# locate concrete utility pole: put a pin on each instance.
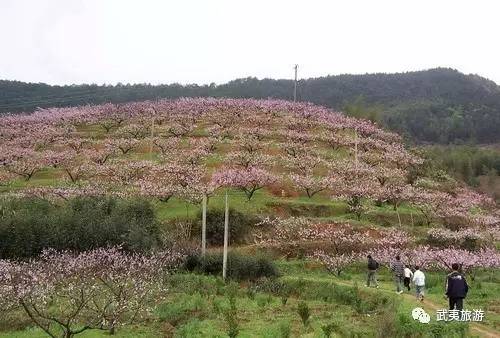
(356, 151)
(204, 226)
(295, 84)
(226, 240)
(152, 137)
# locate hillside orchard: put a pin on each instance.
(178, 151)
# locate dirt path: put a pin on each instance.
(428, 305)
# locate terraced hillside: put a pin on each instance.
(305, 184)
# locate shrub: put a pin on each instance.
(405, 326)
(261, 301)
(328, 329)
(386, 323)
(231, 314)
(284, 292)
(451, 329)
(29, 225)
(217, 305)
(239, 226)
(275, 287)
(239, 267)
(345, 294)
(304, 312)
(181, 310)
(190, 329)
(284, 329)
(251, 293)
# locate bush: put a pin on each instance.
(276, 287)
(404, 326)
(28, 225)
(239, 267)
(239, 226)
(262, 301)
(182, 309)
(190, 329)
(304, 312)
(284, 329)
(328, 329)
(231, 314)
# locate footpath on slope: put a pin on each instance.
(476, 328)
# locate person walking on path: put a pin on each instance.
(408, 276)
(456, 288)
(419, 281)
(372, 272)
(398, 270)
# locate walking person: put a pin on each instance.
(456, 288)
(419, 281)
(372, 272)
(398, 270)
(408, 277)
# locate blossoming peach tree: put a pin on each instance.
(65, 294)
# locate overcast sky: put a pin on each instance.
(189, 41)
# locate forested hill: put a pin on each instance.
(438, 105)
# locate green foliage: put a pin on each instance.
(406, 326)
(27, 226)
(346, 295)
(194, 283)
(239, 267)
(465, 162)
(231, 314)
(284, 329)
(251, 293)
(181, 310)
(190, 329)
(304, 312)
(239, 226)
(329, 328)
(276, 287)
(262, 301)
(217, 306)
(359, 109)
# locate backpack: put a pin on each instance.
(373, 264)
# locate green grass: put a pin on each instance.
(179, 209)
(196, 305)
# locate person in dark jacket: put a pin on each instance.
(398, 269)
(456, 288)
(408, 276)
(372, 271)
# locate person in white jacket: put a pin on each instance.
(419, 281)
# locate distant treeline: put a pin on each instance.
(438, 106)
(466, 162)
